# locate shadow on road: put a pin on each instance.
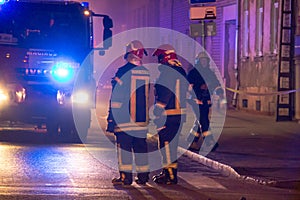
(32, 136)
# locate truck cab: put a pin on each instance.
(42, 47)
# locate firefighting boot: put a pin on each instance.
(194, 133)
(142, 178)
(161, 178)
(210, 143)
(124, 179)
(193, 137)
(172, 176)
(195, 146)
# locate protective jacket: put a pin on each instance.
(170, 96)
(170, 91)
(204, 82)
(129, 100)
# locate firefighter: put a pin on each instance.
(169, 110)
(128, 115)
(202, 81)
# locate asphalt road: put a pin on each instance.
(39, 169)
(32, 167)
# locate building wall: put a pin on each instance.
(297, 62)
(258, 72)
(174, 14)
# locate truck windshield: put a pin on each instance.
(38, 25)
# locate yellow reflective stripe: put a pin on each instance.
(171, 173)
(168, 153)
(169, 51)
(160, 104)
(144, 168)
(172, 165)
(145, 72)
(136, 128)
(121, 166)
(177, 97)
(119, 154)
(161, 128)
(116, 104)
(196, 134)
(206, 133)
(175, 111)
(133, 96)
(119, 80)
(130, 124)
(125, 167)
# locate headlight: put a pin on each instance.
(63, 72)
(80, 98)
(3, 96)
(60, 97)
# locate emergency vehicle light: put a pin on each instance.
(85, 4)
(2, 1)
(3, 96)
(87, 13)
(63, 72)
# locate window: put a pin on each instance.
(274, 27)
(259, 28)
(245, 38)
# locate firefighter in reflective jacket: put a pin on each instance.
(169, 110)
(128, 115)
(203, 82)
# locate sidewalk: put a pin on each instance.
(257, 147)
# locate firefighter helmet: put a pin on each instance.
(135, 48)
(201, 55)
(166, 53)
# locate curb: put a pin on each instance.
(222, 168)
(219, 167)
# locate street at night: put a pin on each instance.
(150, 99)
(38, 169)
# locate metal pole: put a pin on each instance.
(236, 56)
(297, 86)
(203, 34)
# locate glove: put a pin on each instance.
(160, 121)
(158, 110)
(110, 126)
(110, 123)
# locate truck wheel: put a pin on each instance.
(69, 133)
(83, 121)
(82, 134)
(52, 128)
(66, 132)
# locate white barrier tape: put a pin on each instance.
(262, 94)
(222, 168)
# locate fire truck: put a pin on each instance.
(45, 77)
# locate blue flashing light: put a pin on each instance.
(2, 2)
(85, 4)
(63, 72)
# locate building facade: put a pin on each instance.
(245, 45)
(246, 49)
(262, 69)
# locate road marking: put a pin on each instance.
(199, 181)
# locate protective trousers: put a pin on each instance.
(168, 144)
(202, 122)
(127, 144)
